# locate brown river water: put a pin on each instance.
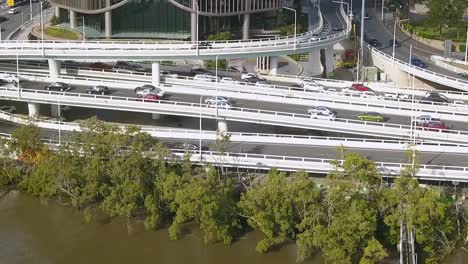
(44, 232)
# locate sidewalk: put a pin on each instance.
(23, 32)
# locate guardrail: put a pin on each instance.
(311, 165)
(420, 72)
(231, 114)
(260, 138)
(282, 95)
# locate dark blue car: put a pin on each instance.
(418, 63)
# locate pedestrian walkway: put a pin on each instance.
(22, 33)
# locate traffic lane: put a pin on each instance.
(254, 104)
(14, 20)
(319, 152)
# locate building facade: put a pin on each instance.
(166, 19)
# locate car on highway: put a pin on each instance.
(100, 66)
(262, 84)
(58, 86)
(337, 28)
(374, 43)
(331, 91)
(418, 63)
(320, 109)
(13, 11)
(434, 126)
(434, 97)
(202, 45)
(350, 91)
(9, 78)
(221, 104)
(187, 146)
(70, 64)
(372, 116)
(424, 119)
(323, 116)
(215, 99)
(397, 96)
(151, 97)
(248, 75)
(371, 94)
(360, 87)
(397, 43)
(205, 77)
(169, 74)
(366, 16)
(463, 75)
(229, 80)
(98, 89)
(458, 103)
(8, 108)
(150, 89)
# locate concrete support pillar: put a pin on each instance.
(72, 19)
(156, 75)
(54, 69)
(108, 21)
(315, 66)
(57, 12)
(274, 65)
(155, 116)
(33, 109)
(222, 127)
(194, 22)
(246, 27)
(55, 110)
(329, 61)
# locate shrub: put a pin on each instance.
(462, 47)
(54, 21)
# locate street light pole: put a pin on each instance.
(410, 54)
(383, 3)
(363, 7)
(30, 10)
(84, 29)
(42, 24)
(394, 35)
(466, 47)
(295, 23)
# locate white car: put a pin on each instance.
(350, 91)
(262, 84)
(458, 102)
(13, 10)
(329, 117)
(10, 78)
(169, 74)
(250, 75)
(205, 77)
(396, 96)
(221, 104)
(215, 99)
(303, 82)
(229, 80)
(8, 108)
(313, 86)
(142, 93)
(425, 119)
(320, 110)
(331, 91)
(370, 94)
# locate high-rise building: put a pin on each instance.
(169, 19)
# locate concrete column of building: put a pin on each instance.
(329, 60)
(108, 21)
(246, 27)
(315, 65)
(274, 65)
(222, 127)
(156, 74)
(33, 109)
(57, 11)
(193, 22)
(72, 19)
(54, 69)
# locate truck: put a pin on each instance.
(15, 3)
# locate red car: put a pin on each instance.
(360, 87)
(434, 126)
(100, 66)
(149, 98)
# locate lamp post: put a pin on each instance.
(295, 23)
(383, 4)
(394, 34)
(466, 47)
(42, 25)
(361, 52)
(0, 32)
(84, 29)
(200, 134)
(30, 10)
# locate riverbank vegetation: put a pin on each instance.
(354, 218)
